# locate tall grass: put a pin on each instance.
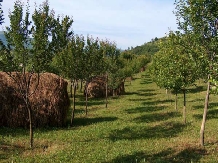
(140, 126)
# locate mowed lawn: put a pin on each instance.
(140, 126)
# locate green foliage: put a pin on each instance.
(17, 36)
(70, 61)
(172, 67)
(44, 24)
(198, 19)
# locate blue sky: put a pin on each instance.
(127, 22)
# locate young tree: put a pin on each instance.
(69, 63)
(198, 19)
(17, 36)
(25, 56)
(93, 62)
(180, 71)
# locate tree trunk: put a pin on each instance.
(74, 104)
(204, 115)
(114, 94)
(81, 85)
(184, 105)
(106, 93)
(176, 102)
(30, 123)
(86, 90)
(71, 88)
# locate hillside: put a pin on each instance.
(2, 37)
(149, 48)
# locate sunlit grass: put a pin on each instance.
(140, 126)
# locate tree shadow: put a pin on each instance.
(169, 155)
(211, 105)
(140, 99)
(142, 92)
(211, 114)
(7, 149)
(196, 89)
(147, 94)
(89, 121)
(146, 90)
(144, 109)
(13, 132)
(169, 129)
(90, 103)
(146, 81)
(155, 117)
(130, 93)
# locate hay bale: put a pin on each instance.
(142, 69)
(96, 87)
(49, 103)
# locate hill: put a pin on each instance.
(149, 48)
(2, 37)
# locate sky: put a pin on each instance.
(129, 23)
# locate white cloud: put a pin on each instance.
(128, 23)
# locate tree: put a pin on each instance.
(198, 19)
(93, 62)
(173, 68)
(18, 59)
(24, 55)
(69, 63)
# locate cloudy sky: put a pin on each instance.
(129, 23)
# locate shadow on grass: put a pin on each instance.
(147, 94)
(146, 80)
(169, 155)
(13, 132)
(90, 121)
(196, 89)
(169, 129)
(211, 114)
(142, 92)
(155, 117)
(141, 99)
(144, 109)
(6, 150)
(149, 106)
(91, 102)
(130, 93)
(211, 105)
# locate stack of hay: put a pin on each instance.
(49, 103)
(97, 87)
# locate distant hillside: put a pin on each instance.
(149, 48)
(2, 37)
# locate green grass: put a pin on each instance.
(141, 126)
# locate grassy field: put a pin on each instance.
(141, 126)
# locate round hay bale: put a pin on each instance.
(96, 87)
(49, 101)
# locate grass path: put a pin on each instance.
(141, 126)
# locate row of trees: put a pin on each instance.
(191, 52)
(47, 44)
